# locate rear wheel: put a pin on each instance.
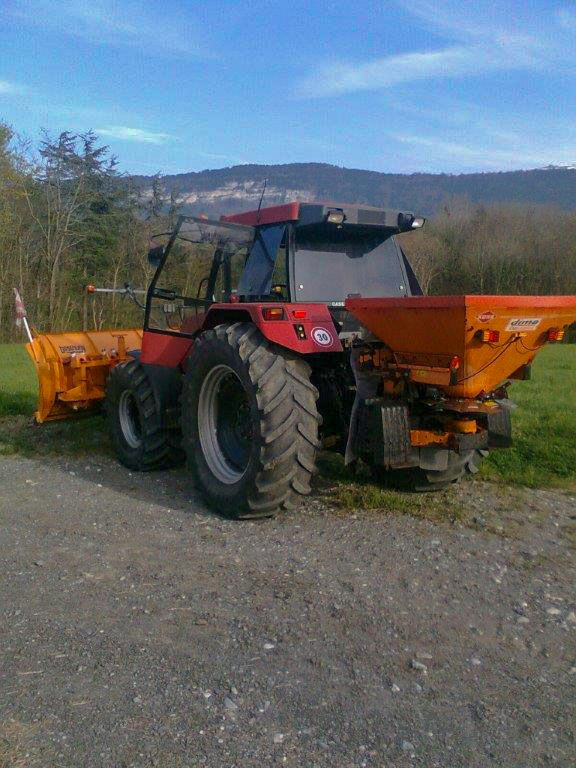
(249, 422)
(136, 426)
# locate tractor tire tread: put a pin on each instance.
(160, 447)
(288, 420)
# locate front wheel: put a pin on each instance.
(249, 422)
(138, 432)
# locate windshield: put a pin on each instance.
(200, 264)
(329, 267)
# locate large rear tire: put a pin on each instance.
(249, 422)
(137, 428)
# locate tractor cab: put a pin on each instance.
(308, 253)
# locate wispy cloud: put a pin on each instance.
(125, 133)
(567, 18)
(11, 89)
(456, 61)
(487, 150)
(146, 24)
(478, 45)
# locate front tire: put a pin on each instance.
(136, 426)
(249, 422)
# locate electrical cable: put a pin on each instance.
(489, 363)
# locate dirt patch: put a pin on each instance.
(140, 629)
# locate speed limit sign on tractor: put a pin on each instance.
(322, 336)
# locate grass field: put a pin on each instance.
(19, 433)
(544, 452)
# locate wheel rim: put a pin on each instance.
(130, 423)
(224, 424)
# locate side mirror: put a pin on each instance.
(155, 255)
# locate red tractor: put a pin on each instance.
(266, 336)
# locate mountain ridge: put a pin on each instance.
(233, 188)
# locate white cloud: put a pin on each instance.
(567, 18)
(456, 61)
(11, 89)
(125, 133)
(146, 24)
(484, 38)
(495, 150)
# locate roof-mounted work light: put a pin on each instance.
(336, 216)
(407, 221)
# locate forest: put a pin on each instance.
(69, 218)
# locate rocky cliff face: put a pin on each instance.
(240, 196)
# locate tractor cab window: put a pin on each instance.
(197, 269)
(331, 264)
(263, 268)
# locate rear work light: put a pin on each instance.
(336, 216)
(491, 337)
(555, 334)
(407, 221)
(273, 313)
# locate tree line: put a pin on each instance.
(68, 218)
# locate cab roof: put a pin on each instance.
(316, 213)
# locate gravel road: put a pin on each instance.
(140, 629)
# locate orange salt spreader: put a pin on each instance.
(441, 365)
(466, 345)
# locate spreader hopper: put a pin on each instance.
(466, 345)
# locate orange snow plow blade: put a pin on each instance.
(72, 368)
(465, 345)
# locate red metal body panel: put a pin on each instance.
(321, 336)
(282, 332)
(164, 349)
(273, 215)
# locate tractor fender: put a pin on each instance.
(166, 384)
(303, 328)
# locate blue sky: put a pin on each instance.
(395, 85)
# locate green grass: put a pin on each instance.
(543, 455)
(18, 387)
(19, 433)
(357, 491)
(543, 426)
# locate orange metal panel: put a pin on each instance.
(72, 368)
(430, 330)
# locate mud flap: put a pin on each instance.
(367, 382)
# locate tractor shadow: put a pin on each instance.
(167, 490)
